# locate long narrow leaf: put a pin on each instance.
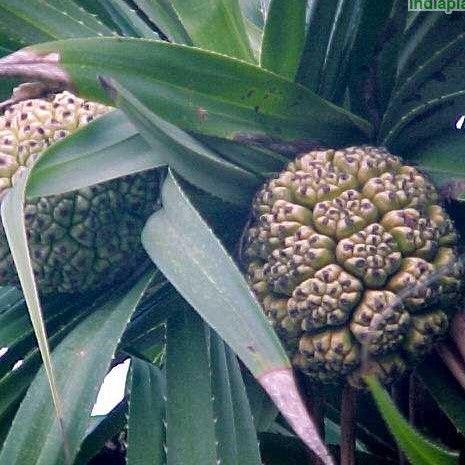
(320, 22)
(127, 19)
(429, 33)
(97, 11)
(107, 148)
(214, 281)
(25, 22)
(12, 215)
(445, 389)
(418, 449)
(333, 75)
(218, 291)
(185, 154)
(393, 39)
(146, 432)
(190, 420)
(284, 37)
(439, 76)
(246, 434)
(14, 383)
(237, 438)
(162, 14)
(215, 25)
(191, 88)
(363, 69)
(429, 108)
(82, 361)
(253, 10)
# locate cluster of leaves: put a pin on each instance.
(222, 92)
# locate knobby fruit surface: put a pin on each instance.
(354, 262)
(82, 240)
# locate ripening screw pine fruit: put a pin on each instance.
(354, 262)
(82, 240)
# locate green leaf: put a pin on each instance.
(13, 323)
(199, 90)
(97, 11)
(260, 161)
(12, 208)
(162, 14)
(159, 309)
(246, 435)
(237, 438)
(445, 390)
(146, 432)
(111, 146)
(440, 76)
(149, 346)
(344, 29)
(429, 33)
(418, 449)
(18, 334)
(215, 25)
(218, 291)
(14, 383)
(258, 101)
(320, 23)
(284, 37)
(9, 296)
(25, 22)
(127, 19)
(85, 354)
(190, 420)
(363, 63)
(185, 154)
(107, 148)
(429, 124)
(388, 58)
(214, 281)
(445, 108)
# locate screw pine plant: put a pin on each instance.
(244, 177)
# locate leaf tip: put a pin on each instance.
(281, 386)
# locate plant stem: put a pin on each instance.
(348, 413)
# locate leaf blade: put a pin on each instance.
(190, 430)
(215, 25)
(164, 16)
(215, 283)
(107, 148)
(223, 97)
(185, 154)
(284, 37)
(146, 433)
(29, 22)
(127, 19)
(419, 450)
(85, 353)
